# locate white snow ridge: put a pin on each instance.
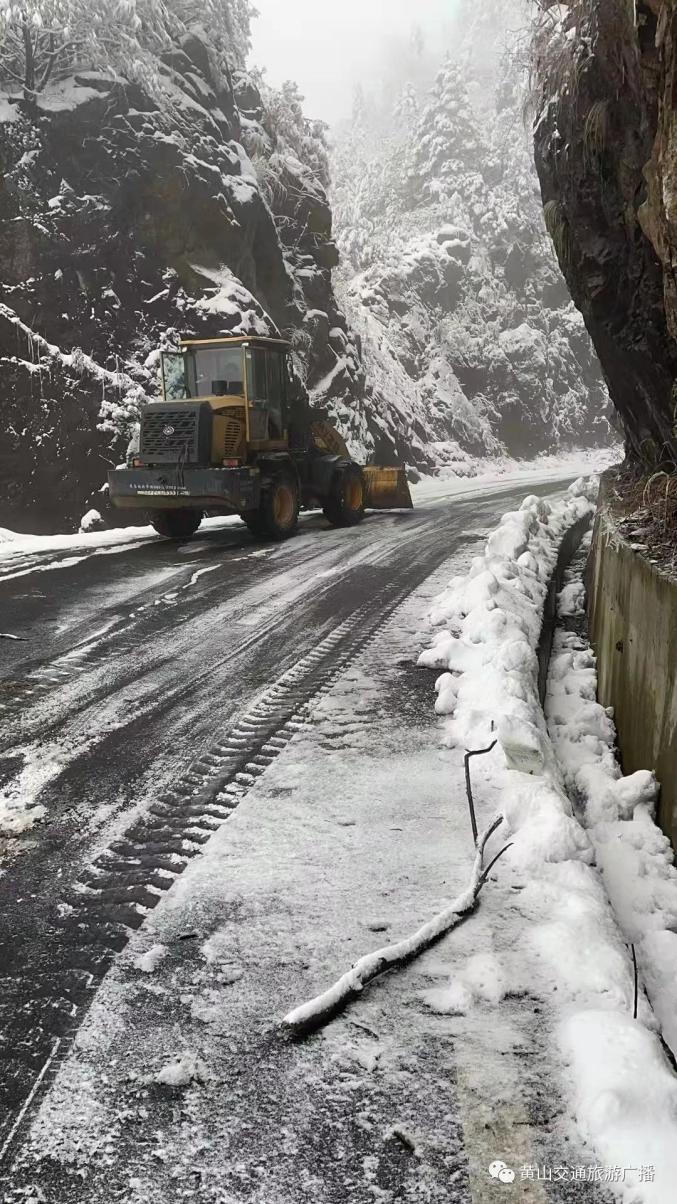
(585, 891)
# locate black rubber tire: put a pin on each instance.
(345, 505)
(277, 517)
(175, 524)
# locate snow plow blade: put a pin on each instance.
(387, 489)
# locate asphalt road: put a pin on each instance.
(155, 684)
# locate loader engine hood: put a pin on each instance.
(176, 433)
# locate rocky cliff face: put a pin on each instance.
(606, 152)
(471, 343)
(129, 216)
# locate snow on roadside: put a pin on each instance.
(626, 1100)
(14, 545)
(623, 1095)
(503, 470)
(632, 853)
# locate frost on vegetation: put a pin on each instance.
(45, 41)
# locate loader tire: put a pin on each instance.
(175, 524)
(278, 514)
(345, 505)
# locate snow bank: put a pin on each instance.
(15, 545)
(626, 1101)
(623, 1095)
(633, 854)
(489, 628)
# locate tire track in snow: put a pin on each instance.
(147, 686)
(47, 998)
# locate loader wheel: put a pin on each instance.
(278, 514)
(175, 524)
(346, 502)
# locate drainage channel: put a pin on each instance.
(49, 991)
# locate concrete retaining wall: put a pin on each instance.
(633, 625)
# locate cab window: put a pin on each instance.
(215, 372)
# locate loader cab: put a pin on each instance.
(244, 381)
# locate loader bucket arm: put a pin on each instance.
(387, 489)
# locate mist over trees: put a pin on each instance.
(447, 272)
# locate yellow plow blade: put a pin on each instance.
(387, 489)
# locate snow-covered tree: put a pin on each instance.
(292, 132)
(42, 41)
(447, 145)
(46, 40)
(224, 25)
(446, 273)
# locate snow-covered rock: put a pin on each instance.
(471, 343)
(91, 521)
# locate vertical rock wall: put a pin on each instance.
(606, 154)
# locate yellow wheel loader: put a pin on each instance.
(230, 437)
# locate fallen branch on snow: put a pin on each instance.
(318, 1011)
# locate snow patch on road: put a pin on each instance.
(17, 818)
(483, 978)
(15, 546)
(149, 961)
(19, 810)
(182, 1071)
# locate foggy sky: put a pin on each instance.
(328, 46)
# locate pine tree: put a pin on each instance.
(447, 145)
